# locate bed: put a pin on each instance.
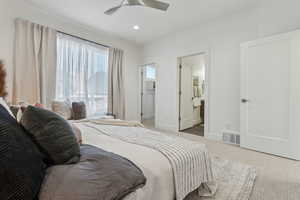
(155, 164)
(172, 166)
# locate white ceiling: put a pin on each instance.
(153, 23)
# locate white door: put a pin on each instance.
(269, 90)
(186, 107)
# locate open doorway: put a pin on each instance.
(192, 94)
(148, 95)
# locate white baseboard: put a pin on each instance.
(167, 127)
(231, 132)
(210, 136)
(214, 136)
(219, 136)
(148, 117)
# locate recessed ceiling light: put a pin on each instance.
(136, 27)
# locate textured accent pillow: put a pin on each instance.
(79, 110)
(53, 134)
(22, 169)
(63, 108)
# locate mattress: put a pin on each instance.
(155, 166)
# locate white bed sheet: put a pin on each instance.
(155, 166)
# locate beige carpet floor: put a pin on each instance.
(277, 178)
(234, 181)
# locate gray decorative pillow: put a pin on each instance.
(53, 134)
(79, 110)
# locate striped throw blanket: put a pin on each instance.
(190, 161)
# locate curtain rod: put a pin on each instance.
(83, 39)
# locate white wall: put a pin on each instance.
(11, 9)
(221, 38)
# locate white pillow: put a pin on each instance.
(4, 104)
(63, 108)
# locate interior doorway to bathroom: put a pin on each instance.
(192, 94)
(148, 95)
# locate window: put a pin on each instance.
(82, 73)
(150, 72)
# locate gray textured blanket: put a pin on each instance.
(99, 175)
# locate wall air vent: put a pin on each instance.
(231, 138)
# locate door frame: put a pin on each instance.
(141, 84)
(207, 84)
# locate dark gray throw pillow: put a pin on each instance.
(53, 134)
(22, 169)
(79, 110)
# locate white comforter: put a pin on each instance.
(156, 167)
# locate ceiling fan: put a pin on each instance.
(145, 3)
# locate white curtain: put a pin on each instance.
(116, 90)
(34, 63)
(82, 73)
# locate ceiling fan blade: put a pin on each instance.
(156, 4)
(134, 3)
(112, 10)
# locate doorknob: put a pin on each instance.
(244, 100)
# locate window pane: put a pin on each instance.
(150, 72)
